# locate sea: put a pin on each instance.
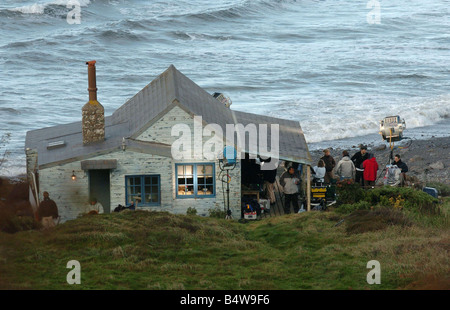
(336, 66)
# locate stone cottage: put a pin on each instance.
(129, 156)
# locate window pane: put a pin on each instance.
(209, 180)
(189, 169)
(186, 190)
(147, 198)
(180, 170)
(205, 190)
(155, 197)
(204, 170)
(201, 170)
(209, 169)
(210, 189)
(154, 189)
(154, 180)
(190, 180)
(201, 181)
(148, 180)
(181, 189)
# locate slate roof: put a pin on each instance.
(169, 89)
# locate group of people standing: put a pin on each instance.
(362, 167)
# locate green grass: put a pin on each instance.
(158, 250)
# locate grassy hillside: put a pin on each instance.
(156, 250)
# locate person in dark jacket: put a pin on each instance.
(48, 211)
(47, 208)
(329, 165)
(358, 160)
(401, 165)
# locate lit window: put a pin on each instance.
(195, 180)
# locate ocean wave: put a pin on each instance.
(199, 36)
(119, 34)
(404, 76)
(28, 43)
(9, 110)
(236, 10)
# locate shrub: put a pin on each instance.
(217, 213)
(20, 223)
(349, 192)
(191, 211)
(403, 197)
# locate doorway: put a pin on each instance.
(99, 187)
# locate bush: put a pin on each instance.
(17, 218)
(349, 192)
(217, 213)
(20, 223)
(191, 211)
(403, 197)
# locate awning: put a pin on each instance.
(99, 164)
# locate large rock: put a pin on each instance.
(437, 165)
(416, 158)
(381, 147)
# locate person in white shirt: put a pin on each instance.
(290, 180)
(319, 171)
(94, 207)
(345, 168)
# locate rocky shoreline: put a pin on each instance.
(427, 160)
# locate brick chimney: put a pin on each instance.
(93, 113)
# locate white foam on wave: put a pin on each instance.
(343, 125)
(39, 8)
